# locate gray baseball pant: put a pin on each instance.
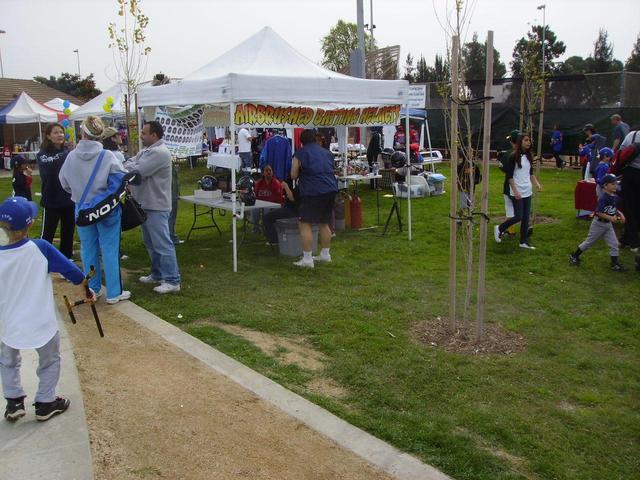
(48, 370)
(601, 229)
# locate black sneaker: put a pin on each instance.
(573, 260)
(46, 410)
(15, 409)
(616, 267)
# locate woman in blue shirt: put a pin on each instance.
(313, 167)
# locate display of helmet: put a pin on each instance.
(398, 159)
(387, 152)
(208, 183)
(248, 197)
(245, 183)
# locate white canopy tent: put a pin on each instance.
(58, 104)
(96, 104)
(25, 109)
(265, 68)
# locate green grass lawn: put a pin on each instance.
(567, 407)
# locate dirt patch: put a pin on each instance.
(326, 387)
(155, 412)
(496, 339)
(289, 350)
(516, 463)
(567, 407)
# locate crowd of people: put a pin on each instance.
(617, 187)
(96, 170)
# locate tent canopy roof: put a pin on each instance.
(58, 104)
(94, 106)
(25, 109)
(266, 68)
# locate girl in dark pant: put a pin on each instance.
(520, 177)
(58, 207)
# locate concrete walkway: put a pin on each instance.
(59, 448)
(54, 450)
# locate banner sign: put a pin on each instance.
(261, 115)
(417, 96)
(183, 129)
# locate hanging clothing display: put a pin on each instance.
(277, 153)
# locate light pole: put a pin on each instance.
(543, 7)
(1, 66)
(77, 52)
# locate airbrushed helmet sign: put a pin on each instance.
(183, 129)
(262, 115)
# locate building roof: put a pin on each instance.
(12, 87)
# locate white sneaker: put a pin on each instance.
(322, 258)
(304, 263)
(102, 292)
(527, 246)
(165, 287)
(125, 295)
(496, 233)
(148, 279)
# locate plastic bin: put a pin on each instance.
(289, 241)
(436, 183)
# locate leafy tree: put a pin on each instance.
(409, 69)
(83, 88)
(602, 60)
(575, 65)
(474, 56)
(530, 49)
(633, 62)
(441, 71)
(338, 44)
(423, 72)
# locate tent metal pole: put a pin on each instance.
(40, 131)
(426, 123)
(232, 140)
(408, 163)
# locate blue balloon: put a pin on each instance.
(65, 123)
(66, 104)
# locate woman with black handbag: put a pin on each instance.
(92, 174)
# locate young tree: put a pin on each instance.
(474, 56)
(530, 49)
(409, 69)
(338, 44)
(83, 88)
(602, 60)
(633, 62)
(130, 54)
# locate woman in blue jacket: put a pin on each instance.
(57, 204)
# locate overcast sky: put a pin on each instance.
(186, 34)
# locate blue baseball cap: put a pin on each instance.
(606, 152)
(18, 212)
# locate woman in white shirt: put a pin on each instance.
(519, 174)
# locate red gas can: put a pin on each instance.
(356, 212)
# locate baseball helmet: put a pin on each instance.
(398, 159)
(248, 197)
(208, 183)
(245, 183)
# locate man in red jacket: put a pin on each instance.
(269, 189)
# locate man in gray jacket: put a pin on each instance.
(154, 194)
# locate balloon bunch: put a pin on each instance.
(69, 133)
(108, 104)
